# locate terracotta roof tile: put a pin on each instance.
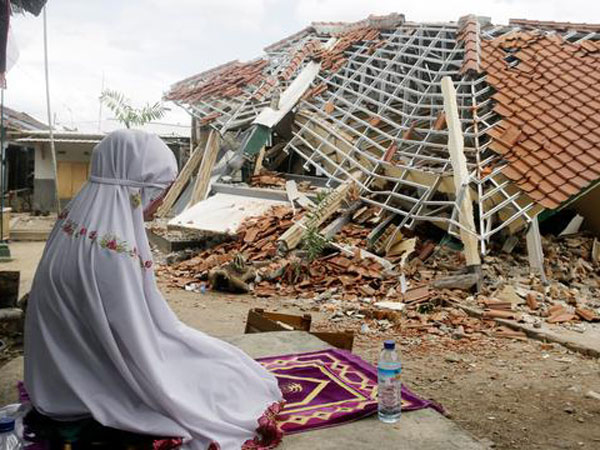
(543, 169)
(511, 173)
(564, 173)
(573, 150)
(543, 154)
(531, 160)
(469, 36)
(539, 138)
(546, 187)
(527, 186)
(589, 112)
(555, 179)
(548, 132)
(564, 157)
(589, 175)
(226, 81)
(576, 166)
(580, 182)
(568, 189)
(558, 126)
(557, 197)
(537, 196)
(585, 159)
(558, 105)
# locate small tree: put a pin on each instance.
(127, 114)
(314, 243)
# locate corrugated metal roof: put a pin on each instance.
(14, 120)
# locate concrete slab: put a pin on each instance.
(31, 228)
(423, 430)
(260, 345)
(586, 343)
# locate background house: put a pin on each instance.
(20, 157)
(29, 159)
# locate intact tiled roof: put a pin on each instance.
(548, 95)
(554, 26)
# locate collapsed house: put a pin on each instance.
(361, 106)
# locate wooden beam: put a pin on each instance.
(335, 226)
(328, 206)
(535, 250)
(209, 158)
(184, 176)
(461, 173)
(258, 165)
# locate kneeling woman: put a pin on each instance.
(101, 341)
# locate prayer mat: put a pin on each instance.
(328, 388)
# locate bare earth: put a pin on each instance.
(516, 394)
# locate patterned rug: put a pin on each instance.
(328, 388)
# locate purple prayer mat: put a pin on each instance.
(329, 388)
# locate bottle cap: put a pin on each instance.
(389, 345)
(6, 424)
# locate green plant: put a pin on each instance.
(322, 195)
(314, 243)
(127, 114)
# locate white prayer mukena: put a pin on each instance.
(101, 341)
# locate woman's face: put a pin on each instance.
(154, 204)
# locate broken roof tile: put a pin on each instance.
(469, 36)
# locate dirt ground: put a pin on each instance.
(516, 394)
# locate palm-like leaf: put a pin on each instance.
(127, 114)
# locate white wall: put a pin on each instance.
(72, 152)
(43, 163)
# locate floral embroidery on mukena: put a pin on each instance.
(108, 241)
(136, 199)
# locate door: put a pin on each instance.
(71, 177)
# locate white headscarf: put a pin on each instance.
(100, 339)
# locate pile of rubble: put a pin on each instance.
(572, 293)
(358, 292)
(288, 275)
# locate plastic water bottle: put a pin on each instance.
(389, 384)
(8, 437)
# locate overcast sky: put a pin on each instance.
(141, 47)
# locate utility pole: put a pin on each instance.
(49, 111)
